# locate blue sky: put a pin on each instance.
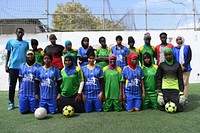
(22, 8)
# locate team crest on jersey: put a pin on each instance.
(46, 82)
(91, 81)
(134, 82)
(28, 77)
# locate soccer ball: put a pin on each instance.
(170, 107)
(68, 111)
(40, 113)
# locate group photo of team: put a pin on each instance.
(60, 77)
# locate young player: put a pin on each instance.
(72, 85)
(170, 80)
(113, 85)
(27, 74)
(131, 43)
(102, 53)
(147, 47)
(69, 50)
(38, 51)
(134, 83)
(121, 52)
(56, 51)
(94, 84)
(159, 50)
(82, 57)
(48, 85)
(183, 55)
(16, 54)
(149, 70)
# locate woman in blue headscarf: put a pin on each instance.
(72, 85)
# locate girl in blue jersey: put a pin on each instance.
(183, 55)
(48, 87)
(94, 84)
(28, 102)
(134, 83)
(82, 57)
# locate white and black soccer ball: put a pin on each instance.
(68, 111)
(170, 107)
(40, 113)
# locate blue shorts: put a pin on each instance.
(50, 105)
(132, 102)
(27, 104)
(91, 104)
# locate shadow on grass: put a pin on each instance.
(47, 117)
(193, 102)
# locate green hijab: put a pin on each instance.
(169, 62)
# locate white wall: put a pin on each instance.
(191, 37)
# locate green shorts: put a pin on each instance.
(112, 104)
(150, 101)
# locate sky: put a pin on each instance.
(36, 8)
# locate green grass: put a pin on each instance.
(146, 121)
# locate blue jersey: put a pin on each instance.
(133, 80)
(48, 79)
(92, 85)
(17, 52)
(28, 75)
(121, 55)
(82, 52)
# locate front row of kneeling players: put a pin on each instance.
(132, 87)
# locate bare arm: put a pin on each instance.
(7, 59)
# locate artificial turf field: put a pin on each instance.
(145, 121)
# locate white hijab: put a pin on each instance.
(181, 53)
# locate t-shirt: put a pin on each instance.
(150, 50)
(136, 51)
(39, 56)
(112, 82)
(82, 53)
(48, 79)
(28, 75)
(100, 52)
(92, 84)
(70, 84)
(56, 52)
(121, 54)
(17, 52)
(133, 81)
(150, 83)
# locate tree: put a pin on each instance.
(73, 16)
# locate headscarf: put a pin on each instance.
(30, 62)
(112, 66)
(68, 42)
(131, 40)
(169, 62)
(147, 36)
(182, 46)
(90, 52)
(130, 56)
(70, 69)
(147, 55)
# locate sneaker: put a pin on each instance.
(11, 106)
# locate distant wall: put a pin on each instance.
(191, 37)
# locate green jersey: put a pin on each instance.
(39, 56)
(150, 83)
(150, 50)
(136, 51)
(112, 82)
(70, 84)
(100, 52)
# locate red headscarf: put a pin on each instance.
(130, 56)
(111, 66)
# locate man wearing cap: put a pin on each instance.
(28, 100)
(16, 54)
(56, 51)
